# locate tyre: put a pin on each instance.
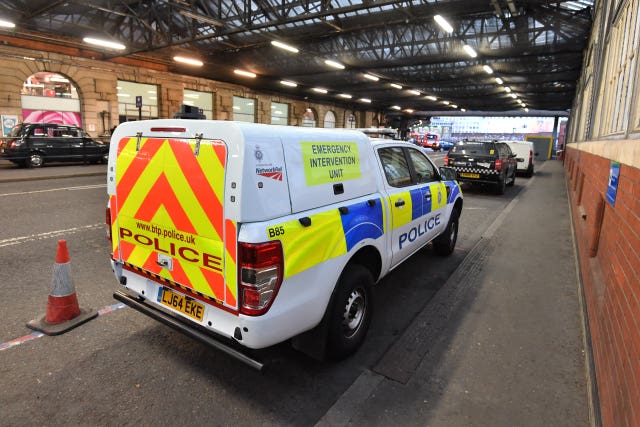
(35, 160)
(350, 312)
(445, 243)
(501, 185)
(530, 171)
(513, 179)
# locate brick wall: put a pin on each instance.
(608, 239)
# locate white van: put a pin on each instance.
(524, 156)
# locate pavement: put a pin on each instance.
(12, 173)
(502, 343)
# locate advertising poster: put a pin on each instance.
(8, 122)
(612, 187)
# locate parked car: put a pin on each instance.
(487, 162)
(524, 156)
(446, 144)
(33, 144)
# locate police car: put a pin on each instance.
(246, 235)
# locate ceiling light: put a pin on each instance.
(201, 18)
(414, 92)
(397, 86)
(396, 107)
(409, 110)
(244, 73)
(371, 77)
(104, 43)
(288, 83)
(189, 61)
(513, 95)
(345, 95)
(453, 106)
(433, 98)
(463, 109)
(319, 90)
(446, 102)
(523, 104)
(499, 80)
(443, 23)
(334, 64)
(526, 109)
(7, 24)
(472, 53)
(367, 100)
(507, 89)
(284, 46)
(487, 69)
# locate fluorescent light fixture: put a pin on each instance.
(463, 109)
(507, 89)
(285, 46)
(345, 96)
(472, 53)
(334, 64)
(414, 92)
(371, 77)
(446, 102)
(188, 61)
(6, 24)
(443, 23)
(513, 95)
(433, 98)
(244, 73)
(453, 106)
(397, 86)
(367, 100)
(395, 107)
(499, 81)
(523, 104)
(201, 18)
(487, 69)
(104, 43)
(288, 83)
(409, 110)
(320, 90)
(526, 109)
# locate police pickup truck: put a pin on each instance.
(245, 235)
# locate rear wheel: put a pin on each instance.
(350, 313)
(513, 179)
(35, 160)
(445, 243)
(501, 185)
(530, 170)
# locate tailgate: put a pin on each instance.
(168, 217)
(476, 162)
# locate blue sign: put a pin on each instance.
(138, 102)
(612, 188)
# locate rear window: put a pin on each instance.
(476, 148)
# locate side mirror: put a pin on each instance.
(448, 174)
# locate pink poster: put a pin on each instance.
(58, 117)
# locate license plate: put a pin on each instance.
(183, 304)
(469, 175)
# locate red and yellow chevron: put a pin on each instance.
(168, 205)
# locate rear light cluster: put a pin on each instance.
(498, 164)
(260, 270)
(446, 160)
(530, 156)
(108, 222)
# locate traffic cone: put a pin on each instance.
(63, 312)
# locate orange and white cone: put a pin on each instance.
(63, 312)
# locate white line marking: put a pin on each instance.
(82, 187)
(41, 236)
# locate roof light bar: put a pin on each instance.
(188, 61)
(443, 23)
(285, 46)
(245, 73)
(104, 43)
(334, 64)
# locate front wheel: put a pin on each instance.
(350, 313)
(445, 243)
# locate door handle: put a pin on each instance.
(427, 196)
(399, 203)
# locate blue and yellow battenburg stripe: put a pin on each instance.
(420, 203)
(332, 233)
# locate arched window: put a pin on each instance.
(309, 118)
(350, 120)
(329, 120)
(50, 98)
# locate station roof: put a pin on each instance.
(534, 47)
